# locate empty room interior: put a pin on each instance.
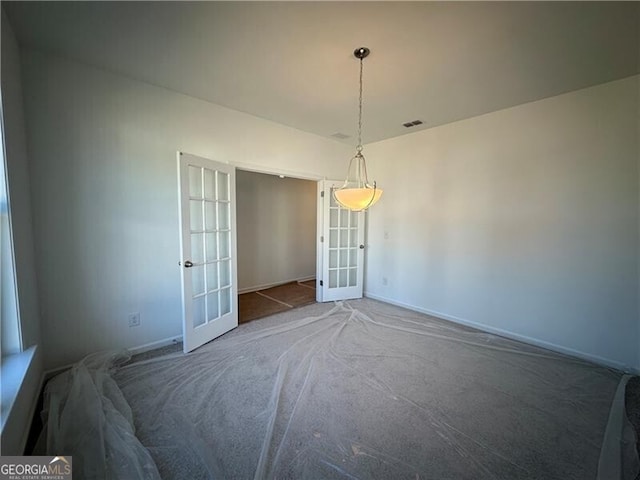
(372, 240)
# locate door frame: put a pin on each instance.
(319, 210)
(299, 176)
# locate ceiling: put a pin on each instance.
(292, 62)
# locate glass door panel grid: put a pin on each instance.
(343, 246)
(210, 212)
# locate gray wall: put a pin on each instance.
(276, 229)
(104, 177)
(523, 221)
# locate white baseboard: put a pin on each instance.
(306, 279)
(607, 362)
(153, 345)
(275, 284)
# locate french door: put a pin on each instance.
(342, 246)
(208, 249)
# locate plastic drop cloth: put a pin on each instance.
(361, 390)
(86, 416)
(368, 390)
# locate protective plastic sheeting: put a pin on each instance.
(373, 392)
(86, 416)
(619, 442)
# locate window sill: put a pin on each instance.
(12, 375)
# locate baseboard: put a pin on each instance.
(607, 362)
(153, 345)
(276, 284)
(306, 279)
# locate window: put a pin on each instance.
(10, 334)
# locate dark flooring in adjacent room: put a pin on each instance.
(254, 305)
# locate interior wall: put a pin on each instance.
(276, 229)
(17, 423)
(104, 177)
(523, 221)
(18, 172)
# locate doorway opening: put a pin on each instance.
(276, 243)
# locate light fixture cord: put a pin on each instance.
(359, 147)
(362, 179)
(361, 172)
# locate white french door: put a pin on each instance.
(208, 249)
(342, 247)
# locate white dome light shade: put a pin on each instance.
(357, 199)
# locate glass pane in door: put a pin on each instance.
(223, 186)
(209, 184)
(225, 301)
(195, 182)
(199, 315)
(197, 279)
(196, 215)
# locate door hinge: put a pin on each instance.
(322, 194)
(322, 239)
(321, 284)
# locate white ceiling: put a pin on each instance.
(292, 62)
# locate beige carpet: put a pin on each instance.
(369, 391)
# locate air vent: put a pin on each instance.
(340, 136)
(412, 124)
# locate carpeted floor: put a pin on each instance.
(278, 299)
(632, 393)
(380, 393)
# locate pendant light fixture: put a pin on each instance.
(358, 194)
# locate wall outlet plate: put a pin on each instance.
(134, 320)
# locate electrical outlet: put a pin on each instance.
(386, 235)
(134, 320)
(385, 282)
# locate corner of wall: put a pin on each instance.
(19, 189)
(26, 368)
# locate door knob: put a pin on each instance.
(188, 264)
(361, 247)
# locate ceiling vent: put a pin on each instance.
(412, 124)
(340, 136)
